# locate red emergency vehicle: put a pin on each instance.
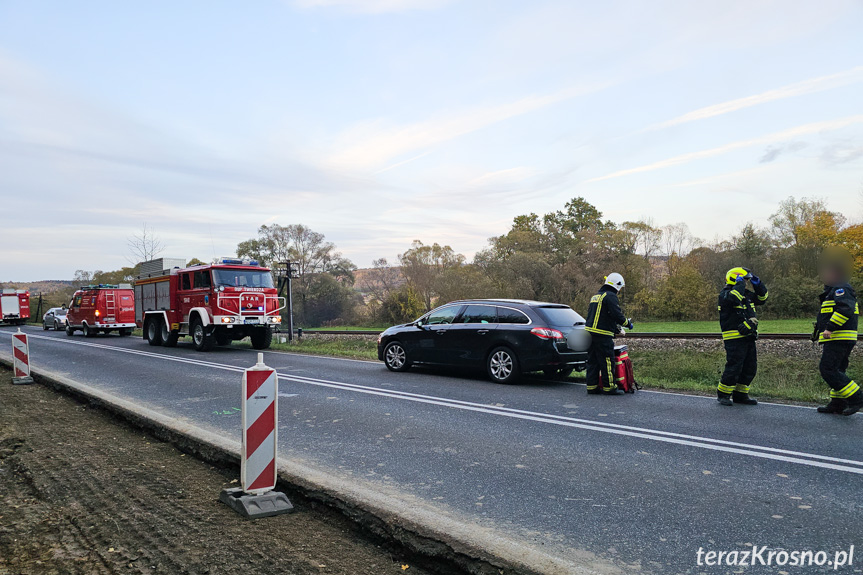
(214, 304)
(102, 309)
(14, 306)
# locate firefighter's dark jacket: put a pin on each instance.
(737, 309)
(604, 316)
(839, 311)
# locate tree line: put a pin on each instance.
(562, 257)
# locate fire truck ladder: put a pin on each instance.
(110, 304)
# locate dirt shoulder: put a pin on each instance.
(83, 494)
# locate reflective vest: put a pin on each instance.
(604, 316)
(737, 309)
(838, 314)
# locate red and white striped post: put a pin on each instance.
(258, 470)
(260, 431)
(21, 358)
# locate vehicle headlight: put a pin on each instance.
(227, 320)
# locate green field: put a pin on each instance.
(765, 326)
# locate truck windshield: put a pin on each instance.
(242, 278)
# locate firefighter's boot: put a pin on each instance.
(612, 391)
(855, 403)
(836, 406)
(723, 398)
(742, 398)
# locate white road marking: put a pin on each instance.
(797, 457)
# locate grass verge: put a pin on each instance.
(779, 377)
(351, 347)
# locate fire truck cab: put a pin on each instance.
(14, 306)
(214, 304)
(101, 309)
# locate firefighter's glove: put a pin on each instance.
(740, 279)
(629, 324)
(755, 280)
(815, 332)
(753, 321)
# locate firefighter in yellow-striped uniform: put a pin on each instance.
(604, 321)
(836, 331)
(739, 323)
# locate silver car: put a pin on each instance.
(54, 318)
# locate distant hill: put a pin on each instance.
(43, 287)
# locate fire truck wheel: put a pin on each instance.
(85, 329)
(203, 341)
(262, 338)
(169, 337)
(69, 330)
(151, 329)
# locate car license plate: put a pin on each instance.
(110, 320)
(252, 320)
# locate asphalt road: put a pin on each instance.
(640, 480)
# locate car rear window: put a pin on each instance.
(479, 314)
(564, 316)
(509, 315)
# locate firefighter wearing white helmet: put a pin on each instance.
(605, 320)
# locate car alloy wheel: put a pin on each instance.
(396, 357)
(501, 365)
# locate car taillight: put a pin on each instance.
(546, 333)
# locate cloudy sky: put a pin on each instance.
(377, 122)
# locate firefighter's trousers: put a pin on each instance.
(741, 365)
(834, 362)
(600, 363)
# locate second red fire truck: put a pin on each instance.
(214, 304)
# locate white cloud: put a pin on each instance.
(503, 177)
(373, 6)
(373, 145)
(810, 86)
(789, 134)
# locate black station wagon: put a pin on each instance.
(505, 337)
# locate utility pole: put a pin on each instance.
(288, 271)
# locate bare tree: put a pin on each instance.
(380, 280)
(144, 246)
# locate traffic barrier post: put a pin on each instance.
(21, 358)
(258, 469)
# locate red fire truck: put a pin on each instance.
(214, 304)
(101, 309)
(14, 306)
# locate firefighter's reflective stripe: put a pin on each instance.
(732, 334)
(839, 335)
(740, 388)
(846, 391)
(763, 297)
(838, 318)
(725, 388)
(737, 294)
(599, 331)
(598, 299)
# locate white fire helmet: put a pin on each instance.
(615, 280)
